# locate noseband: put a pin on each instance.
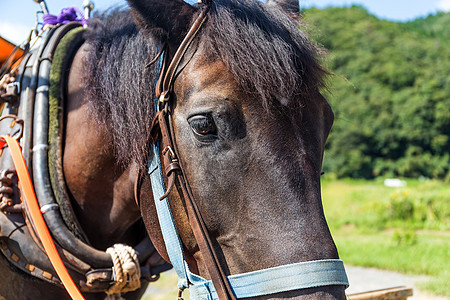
(263, 282)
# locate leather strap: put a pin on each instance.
(165, 81)
(32, 205)
(163, 129)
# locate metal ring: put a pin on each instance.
(40, 147)
(17, 121)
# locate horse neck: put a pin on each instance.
(102, 189)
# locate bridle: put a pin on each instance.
(222, 286)
(163, 121)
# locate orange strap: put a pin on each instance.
(37, 218)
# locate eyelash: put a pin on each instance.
(203, 126)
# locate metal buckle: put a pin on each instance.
(164, 97)
(12, 93)
(171, 153)
(13, 87)
(180, 294)
(163, 101)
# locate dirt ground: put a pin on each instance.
(367, 279)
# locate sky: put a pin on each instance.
(17, 17)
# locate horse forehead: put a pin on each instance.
(206, 75)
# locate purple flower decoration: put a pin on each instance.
(68, 14)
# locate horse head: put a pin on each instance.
(250, 125)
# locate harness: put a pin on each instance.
(262, 282)
(36, 115)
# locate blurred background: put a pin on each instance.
(386, 188)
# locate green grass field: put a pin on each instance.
(401, 229)
(164, 288)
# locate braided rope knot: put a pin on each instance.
(127, 272)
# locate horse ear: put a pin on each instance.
(169, 18)
(290, 7)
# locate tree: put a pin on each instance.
(391, 95)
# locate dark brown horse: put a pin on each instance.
(250, 126)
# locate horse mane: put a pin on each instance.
(262, 47)
(120, 88)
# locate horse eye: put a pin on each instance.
(203, 125)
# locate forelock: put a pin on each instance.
(267, 52)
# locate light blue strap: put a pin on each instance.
(167, 224)
(169, 231)
(278, 279)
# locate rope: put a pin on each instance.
(127, 272)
